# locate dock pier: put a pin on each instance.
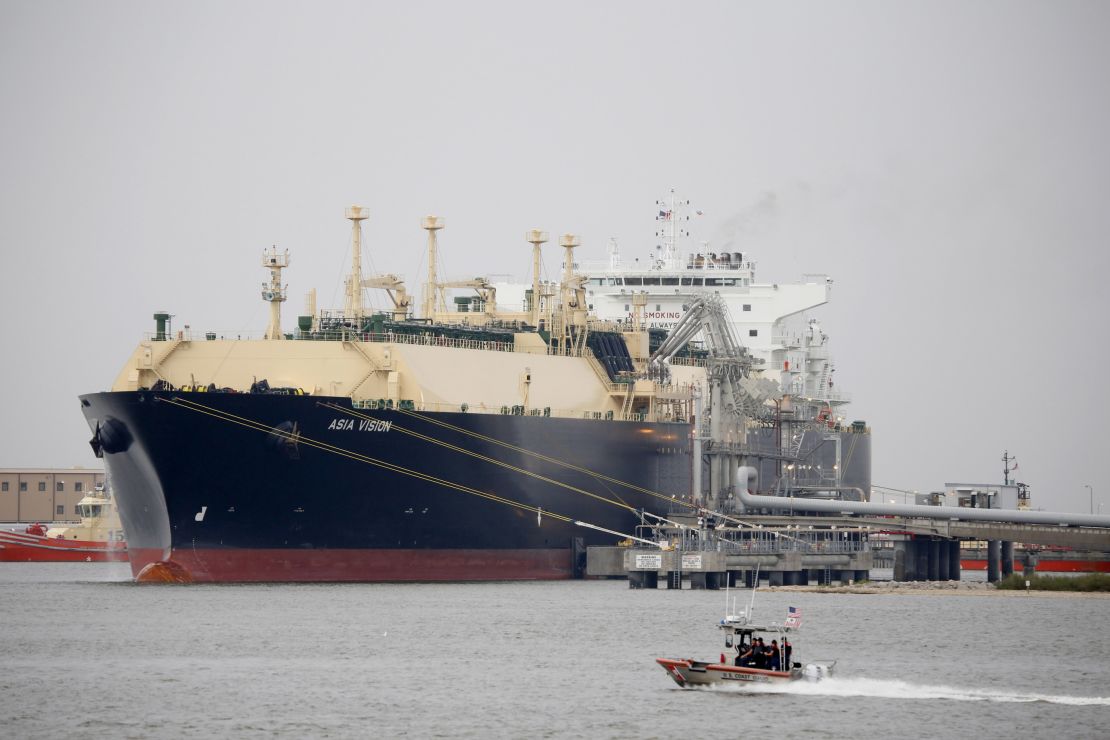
(712, 569)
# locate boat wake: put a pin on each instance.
(887, 689)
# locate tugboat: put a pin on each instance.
(754, 653)
(97, 539)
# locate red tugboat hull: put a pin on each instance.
(16, 547)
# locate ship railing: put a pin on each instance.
(688, 361)
(430, 340)
(371, 404)
(602, 375)
(825, 396)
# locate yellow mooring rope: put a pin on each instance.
(260, 427)
(547, 458)
(485, 458)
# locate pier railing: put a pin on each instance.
(756, 542)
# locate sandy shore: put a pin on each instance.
(934, 588)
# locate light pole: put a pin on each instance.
(1092, 492)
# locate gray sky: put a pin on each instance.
(946, 162)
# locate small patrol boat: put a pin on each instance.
(754, 653)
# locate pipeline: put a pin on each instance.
(746, 476)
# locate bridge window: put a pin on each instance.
(651, 281)
(633, 281)
(712, 281)
(670, 281)
(747, 307)
(616, 281)
(753, 332)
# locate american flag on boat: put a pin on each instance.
(793, 617)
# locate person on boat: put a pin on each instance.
(759, 655)
(745, 658)
(774, 662)
(787, 649)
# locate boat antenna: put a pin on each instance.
(726, 595)
(755, 585)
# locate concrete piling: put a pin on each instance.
(900, 573)
(994, 558)
(953, 560)
(921, 551)
(1007, 559)
(933, 546)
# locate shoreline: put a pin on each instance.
(930, 588)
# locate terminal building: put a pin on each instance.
(978, 496)
(44, 494)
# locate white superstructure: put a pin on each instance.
(770, 319)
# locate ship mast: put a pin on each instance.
(569, 298)
(536, 238)
(431, 224)
(670, 216)
(274, 291)
(353, 308)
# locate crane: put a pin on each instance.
(735, 397)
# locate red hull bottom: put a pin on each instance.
(1045, 565)
(368, 566)
(25, 548)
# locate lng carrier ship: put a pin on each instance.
(471, 444)
(456, 446)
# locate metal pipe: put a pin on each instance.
(745, 475)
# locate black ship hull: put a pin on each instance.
(264, 487)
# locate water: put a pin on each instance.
(85, 651)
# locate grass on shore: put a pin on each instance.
(1089, 582)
